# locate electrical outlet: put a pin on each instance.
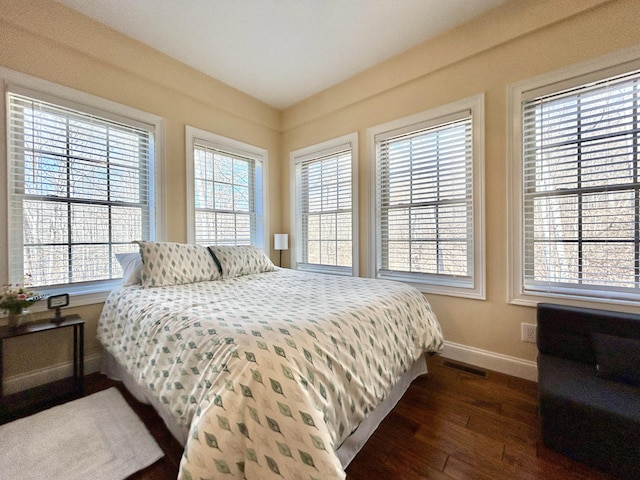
(529, 332)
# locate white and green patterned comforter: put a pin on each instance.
(271, 371)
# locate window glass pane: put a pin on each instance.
(44, 175)
(555, 261)
(47, 264)
(241, 198)
(328, 253)
(206, 227)
(203, 194)
(609, 216)
(89, 223)
(607, 264)
(453, 258)
(423, 224)
(126, 224)
(328, 226)
(222, 169)
(343, 250)
(313, 227)
(241, 173)
(90, 262)
(223, 197)
(243, 229)
(44, 132)
(423, 257)
(344, 227)
(88, 180)
(125, 185)
(313, 252)
(225, 229)
(44, 222)
(399, 256)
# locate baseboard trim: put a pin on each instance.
(492, 361)
(455, 351)
(17, 383)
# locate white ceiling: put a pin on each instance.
(281, 51)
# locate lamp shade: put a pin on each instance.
(280, 241)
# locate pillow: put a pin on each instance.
(617, 358)
(131, 264)
(241, 260)
(167, 263)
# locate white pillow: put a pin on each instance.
(242, 260)
(168, 263)
(131, 264)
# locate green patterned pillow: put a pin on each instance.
(241, 260)
(167, 263)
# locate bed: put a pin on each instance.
(262, 372)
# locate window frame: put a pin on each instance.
(87, 293)
(573, 76)
(321, 149)
(261, 155)
(434, 283)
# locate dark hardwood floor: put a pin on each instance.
(450, 425)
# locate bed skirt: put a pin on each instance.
(346, 452)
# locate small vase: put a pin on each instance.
(14, 319)
(17, 319)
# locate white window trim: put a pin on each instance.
(233, 146)
(476, 105)
(313, 151)
(568, 77)
(93, 292)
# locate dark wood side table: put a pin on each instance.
(27, 401)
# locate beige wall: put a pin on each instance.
(47, 40)
(519, 40)
(514, 42)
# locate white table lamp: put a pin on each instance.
(281, 242)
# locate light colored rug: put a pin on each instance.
(97, 437)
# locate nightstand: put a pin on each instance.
(27, 401)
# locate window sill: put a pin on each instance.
(345, 272)
(532, 299)
(90, 294)
(454, 289)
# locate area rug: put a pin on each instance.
(97, 437)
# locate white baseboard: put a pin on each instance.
(490, 360)
(53, 373)
(454, 351)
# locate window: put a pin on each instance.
(226, 190)
(323, 216)
(578, 150)
(429, 207)
(80, 189)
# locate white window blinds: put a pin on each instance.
(324, 204)
(581, 189)
(225, 197)
(425, 202)
(79, 191)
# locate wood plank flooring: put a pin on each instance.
(450, 425)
